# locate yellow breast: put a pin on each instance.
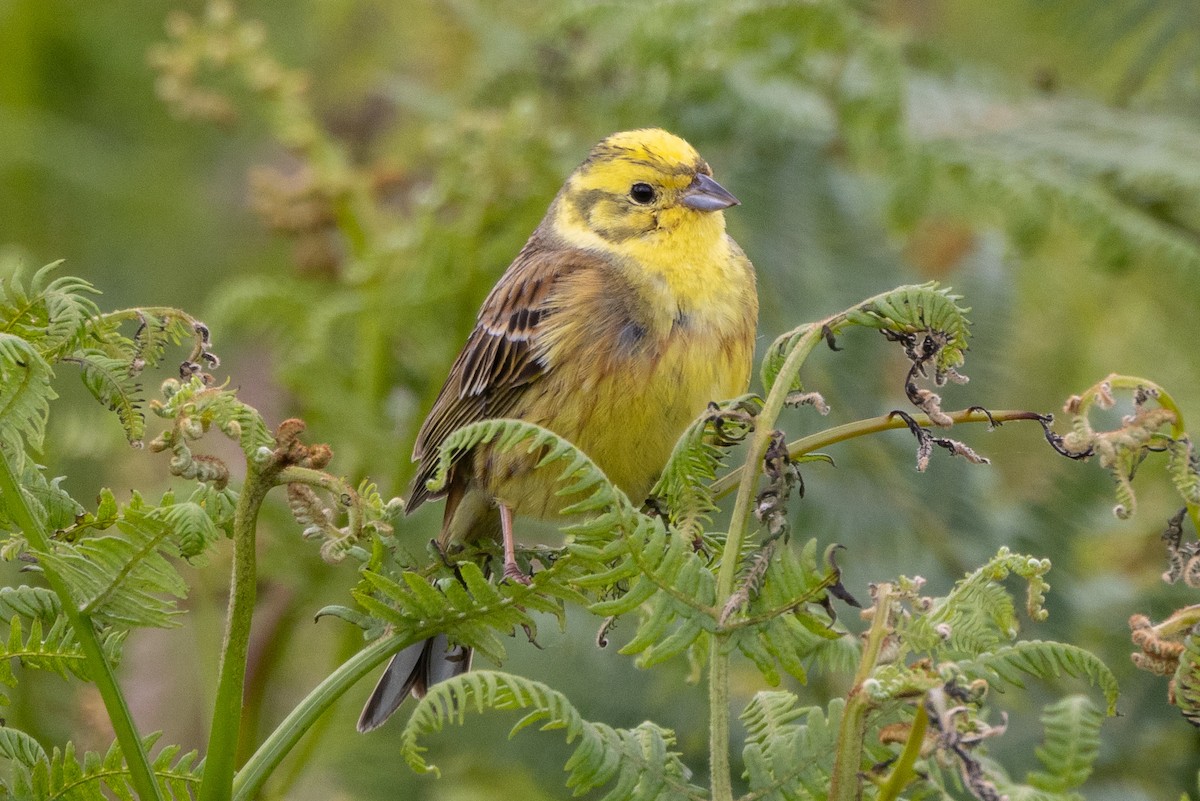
(633, 354)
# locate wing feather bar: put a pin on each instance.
(501, 355)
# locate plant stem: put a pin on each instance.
(872, 425)
(718, 721)
(844, 782)
(747, 478)
(903, 772)
(266, 759)
(219, 763)
(99, 669)
(1181, 620)
(718, 672)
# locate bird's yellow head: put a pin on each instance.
(640, 183)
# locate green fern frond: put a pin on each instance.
(1045, 660)
(911, 310)
(675, 595)
(196, 407)
(581, 475)
(683, 486)
(51, 315)
(54, 650)
(978, 614)
(113, 384)
(975, 618)
(1187, 680)
(46, 499)
(1071, 744)
(31, 603)
(777, 354)
(19, 747)
(771, 714)
(192, 527)
(920, 309)
(1182, 469)
(126, 580)
(25, 392)
(23, 754)
(218, 504)
(786, 760)
(98, 777)
(778, 626)
(639, 763)
(157, 330)
(465, 606)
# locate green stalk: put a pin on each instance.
(718, 675)
(219, 763)
(859, 428)
(99, 669)
(266, 759)
(904, 771)
(718, 721)
(847, 760)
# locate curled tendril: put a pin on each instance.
(1153, 426)
(959, 731)
(783, 476)
(922, 349)
(926, 440)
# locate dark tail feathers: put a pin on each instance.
(414, 670)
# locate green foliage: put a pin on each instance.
(413, 223)
(1070, 747)
(53, 650)
(978, 613)
(1045, 660)
(53, 321)
(909, 311)
(194, 408)
(60, 776)
(581, 474)
(116, 568)
(778, 627)
(467, 608)
(638, 762)
(787, 760)
(112, 383)
(1187, 680)
(126, 580)
(46, 498)
(52, 314)
(683, 487)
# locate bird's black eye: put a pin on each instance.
(642, 193)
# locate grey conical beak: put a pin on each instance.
(705, 194)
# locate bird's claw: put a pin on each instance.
(513, 572)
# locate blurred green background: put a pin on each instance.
(334, 186)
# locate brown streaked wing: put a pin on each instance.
(500, 357)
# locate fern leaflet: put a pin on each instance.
(639, 763)
(126, 580)
(61, 776)
(1070, 747)
(1045, 660)
(25, 392)
(112, 382)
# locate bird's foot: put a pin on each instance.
(513, 572)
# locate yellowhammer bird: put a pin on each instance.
(626, 312)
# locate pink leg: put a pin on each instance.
(512, 570)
